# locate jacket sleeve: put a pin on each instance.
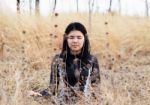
(95, 74)
(54, 75)
(53, 84)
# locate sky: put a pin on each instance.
(128, 7)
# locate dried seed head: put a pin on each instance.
(107, 44)
(24, 32)
(50, 35)
(22, 51)
(48, 57)
(113, 59)
(56, 14)
(55, 49)
(23, 41)
(134, 55)
(50, 44)
(109, 55)
(22, 47)
(55, 25)
(55, 36)
(107, 33)
(104, 56)
(120, 67)
(23, 58)
(110, 67)
(37, 37)
(106, 23)
(119, 56)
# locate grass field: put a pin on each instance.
(122, 45)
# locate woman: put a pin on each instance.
(74, 69)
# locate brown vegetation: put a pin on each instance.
(28, 43)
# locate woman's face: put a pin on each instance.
(75, 40)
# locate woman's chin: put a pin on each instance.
(75, 51)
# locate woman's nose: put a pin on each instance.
(75, 39)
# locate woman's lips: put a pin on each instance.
(74, 45)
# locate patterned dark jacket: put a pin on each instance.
(73, 74)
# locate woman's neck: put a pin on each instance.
(75, 52)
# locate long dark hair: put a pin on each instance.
(86, 46)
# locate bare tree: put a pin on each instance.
(30, 6)
(91, 6)
(119, 3)
(147, 8)
(77, 1)
(55, 3)
(37, 9)
(18, 6)
(110, 4)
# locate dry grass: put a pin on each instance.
(28, 43)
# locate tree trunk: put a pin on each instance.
(77, 1)
(55, 3)
(119, 3)
(18, 6)
(37, 9)
(110, 4)
(30, 6)
(91, 5)
(147, 8)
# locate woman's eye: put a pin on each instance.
(79, 37)
(73, 37)
(70, 37)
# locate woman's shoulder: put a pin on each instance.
(57, 56)
(93, 57)
(55, 60)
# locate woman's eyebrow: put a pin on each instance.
(74, 35)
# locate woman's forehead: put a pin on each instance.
(75, 33)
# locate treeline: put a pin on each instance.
(91, 5)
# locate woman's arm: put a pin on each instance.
(54, 75)
(53, 84)
(95, 74)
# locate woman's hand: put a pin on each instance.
(33, 93)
